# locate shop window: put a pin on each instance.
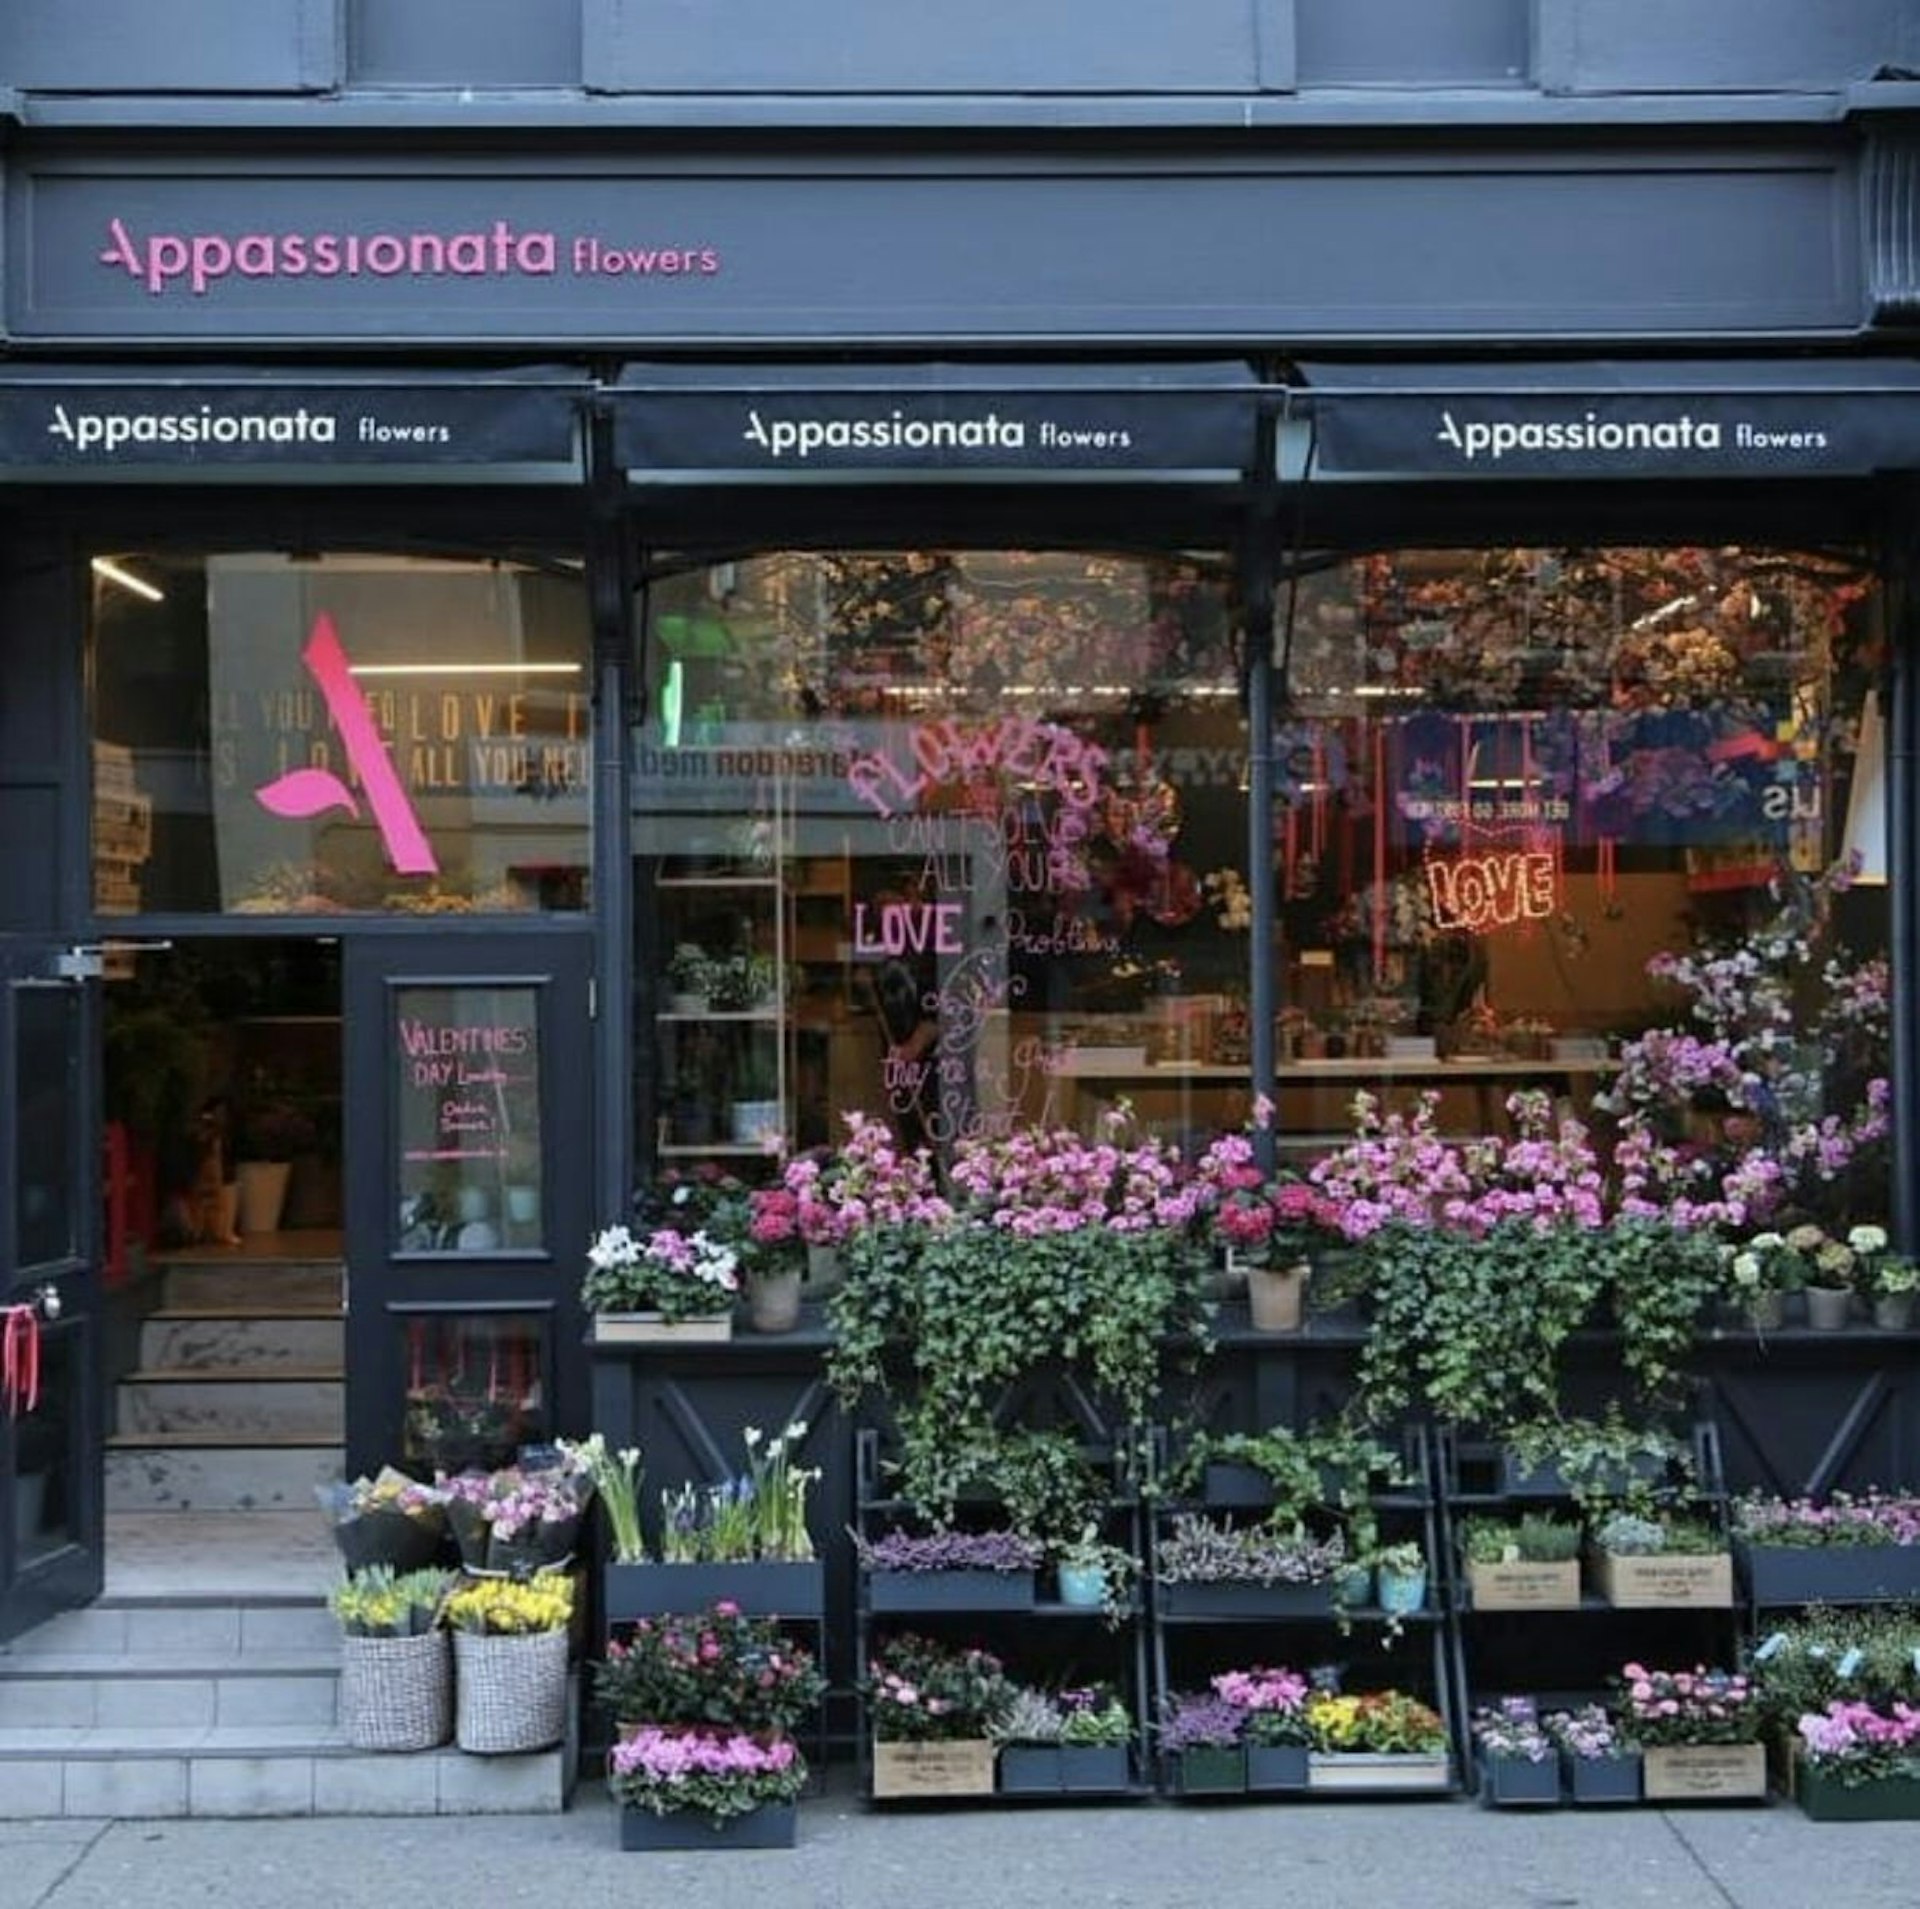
(1413, 43)
(463, 42)
(951, 838)
(288, 735)
(476, 1389)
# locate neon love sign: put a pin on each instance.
(1481, 892)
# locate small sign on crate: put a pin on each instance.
(1525, 1587)
(1705, 1773)
(963, 1767)
(1700, 1580)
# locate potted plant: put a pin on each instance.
(1274, 1731)
(1096, 1741)
(1699, 1732)
(949, 1570)
(1028, 1734)
(744, 1540)
(1531, 1563)
(689, 979)
(669, 1285)
(1831, 1268)
(271, 1133)
(705, 1788)
(742, 982)
(510, 1641)
(1762, 1272)
(755, 1114)
(1888, 1279)
(1266, 1228)
(1598, 1463)
(773, 1258)
(615, 1481)
(1597, 1764)
(1377, 1740)
(1400, 1578)
(1845, 1549)
(815, 1181)
(1094, 1574)
(933, 1708)
(1859, 1763)
(396, 1677)
(1209, 1568)
(1518, 1766)
(1203, 1744)
(1661, 1560)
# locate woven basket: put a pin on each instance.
(396, 1693)
(511, 1692)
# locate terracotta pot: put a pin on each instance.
(1274, 1297)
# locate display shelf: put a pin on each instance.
(1306, 1624)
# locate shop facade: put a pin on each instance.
(656, 616)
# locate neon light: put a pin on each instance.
(1478, 893)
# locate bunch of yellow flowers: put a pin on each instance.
(505, 1607)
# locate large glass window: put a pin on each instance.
(278, 734)
(947, 837)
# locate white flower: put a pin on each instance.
(1868, 1239)
(750, 1436)
(1746, 1269)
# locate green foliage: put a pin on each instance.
(1803, 1663)
(1662, 1278)
(1471, 1328)
(1606, 1463)
(1538, 1538)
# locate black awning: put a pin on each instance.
(1616, 419)
(109, 419)
(1183, 421)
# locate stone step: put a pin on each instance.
(240, 1285)
(200, 1471)
(186, 1690)
(238, 1633)
(198, 1340)
(266, 1770)
(295, 1402)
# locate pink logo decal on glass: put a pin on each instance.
(308, 792)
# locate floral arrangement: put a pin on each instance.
(1004, 1551)
(718, 1773)
(517, 1518)
(761, 1514)
(715, 1668)
(1663, 1707)
(1274, 1703)
(919, 1691)
(389, 1519)
(773, 1239)
(1857, 1743)
(1588, 1734)
(615, 1481)
(382, 1602)
(507, 1607)
(1200, 1550)
(1201, 1721)
(1511, 1728)
(1384, 1722)
(1265, 1222)
(873, 1184)
(1875, 1519)
(680, 1275)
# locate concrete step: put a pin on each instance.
(292, 1402)
(241, 1285)
(205, 1471)
(183, 1690)
(265, 1770)
(198, 1340)
(243, 1633)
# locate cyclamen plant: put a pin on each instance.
(1858, 1743)
(1688, 1706)
(1875, 1519)
(922, 1692)
(681, 1275)
(1275, 1702)
(716, 1773)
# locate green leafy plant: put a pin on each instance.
(1630, 1534)
(1662, 1278)
(1606, 1463)
(1535, 1539)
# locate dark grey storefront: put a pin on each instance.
(1277, 281)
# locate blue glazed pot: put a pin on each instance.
(1402, 1592)
(1083, 1585)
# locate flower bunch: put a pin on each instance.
(682, 1275)
(515, 1503)
(1006, 1551)
(1382, 1721)
(761, 1514)
(504, 1607)
(381, 1602)
(1265, 1222)
(1512, 1728)
(1275, 1702)
(773, 1225)
(615, 1479)
(1858, 1743)
(1881, 1273)
(919, 1691)
(874, 1184)
(719, 1773)
(1201, 1550)
(1875, 1519)
(715, 1667)
(1588, 1733)
(1688, 1706)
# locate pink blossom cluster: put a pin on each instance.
(511, 1501)
(1875, 1518)
(818, 1217)
(773, 1216)
(1036, 1181)
(1856, 1732)
(657, 1754)
(873, 1183)
(1689, 1706)
(1260, 1689)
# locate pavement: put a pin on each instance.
(1371, 1855)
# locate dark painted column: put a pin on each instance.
(1903, 905)
(1256, 582)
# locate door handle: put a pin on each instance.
(48, 1300)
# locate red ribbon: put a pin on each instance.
(19, 1359)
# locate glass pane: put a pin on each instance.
(467, 1094)
(44, 1445)
(946, 837)
(299, 735)
(476, 1390)
(45, 1152)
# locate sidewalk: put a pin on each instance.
(1150, 1856)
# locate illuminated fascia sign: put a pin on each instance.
(1479, 893)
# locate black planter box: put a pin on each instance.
(1276, 1766)
(1207, 1773)
(1829, 1574)
(1600, 1780)
(1244, 1600)
(760, 1590)
(771, 1826)
(1093, 1769)
(1237, 1485)
(1518, 1783)
(1030, 1769)
(1547, 1481)
(894, 1591)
